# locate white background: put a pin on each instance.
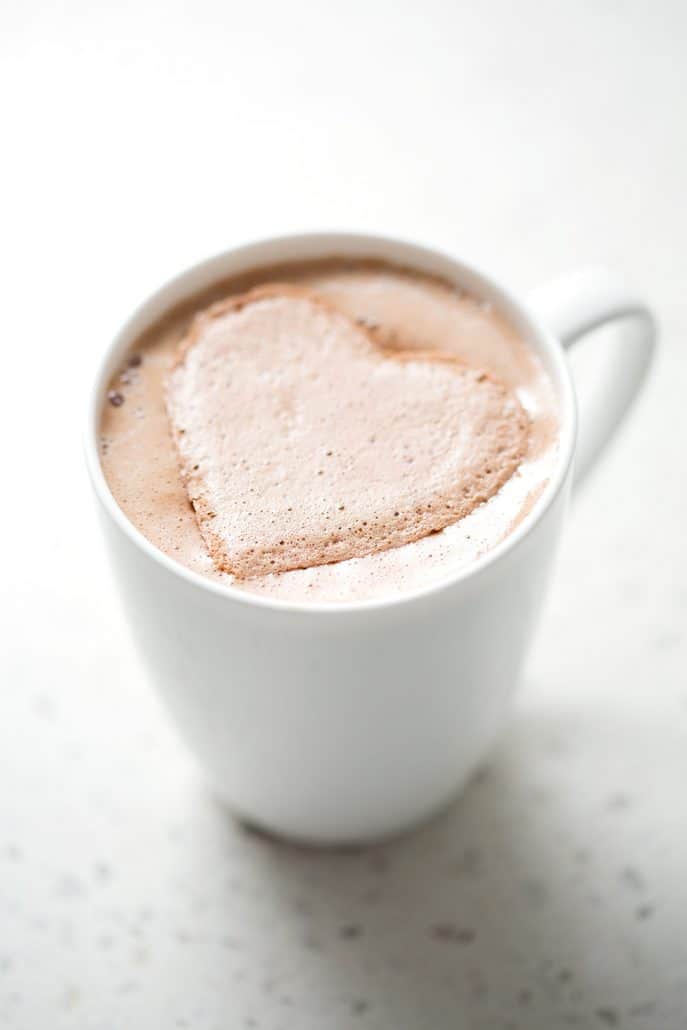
(530, 137)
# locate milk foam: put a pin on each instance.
(408, 311)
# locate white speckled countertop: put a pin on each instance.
(531, 138)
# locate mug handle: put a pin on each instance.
(574, 305)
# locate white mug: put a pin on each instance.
(339, 723)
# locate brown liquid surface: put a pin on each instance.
(404, 311)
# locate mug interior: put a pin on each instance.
(317, 246)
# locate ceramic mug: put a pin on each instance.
(333, 723)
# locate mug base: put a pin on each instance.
(274, 832)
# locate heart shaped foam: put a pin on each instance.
(301, 442)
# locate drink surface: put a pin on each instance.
(403, 313)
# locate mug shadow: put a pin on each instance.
(498, 913)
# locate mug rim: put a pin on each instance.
(320, 245)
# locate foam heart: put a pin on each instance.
(301, 442)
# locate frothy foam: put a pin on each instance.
(404, 311)
(303, 443)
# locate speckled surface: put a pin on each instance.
(553, 894)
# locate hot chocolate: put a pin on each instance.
(347, 430)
